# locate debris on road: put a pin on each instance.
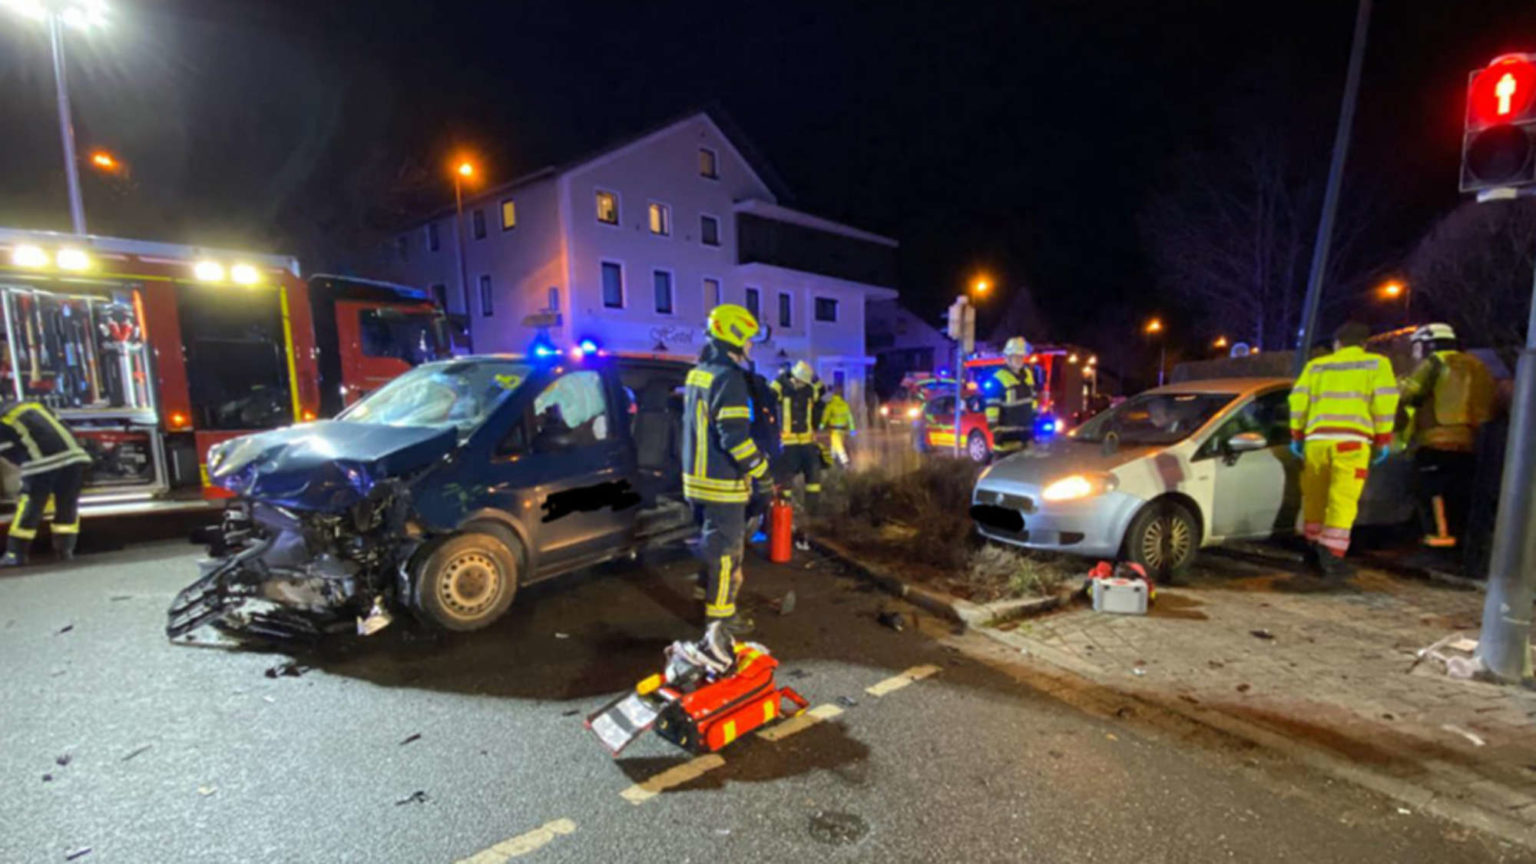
(787, 604)
(893, 620)
(837, 829)
(77, 853)
(1244, 688)
(118, 598)
(290, 669)
(417, 797)
(571, 713)
(1476, 740)
(847, 701)
(65, 629)
(47, 778)
(562, 635)
(62, 760)
(137, 751)
(414, 736)
(205, 791)
(797, 674)
(1261, 633)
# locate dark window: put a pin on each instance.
(786, 318)
(508, 215)
(412, 338)
(826, 309)
(613, 285)
(608, 208)
(571, 412)
(708, 163)
(812, 250)
(433, 241)
(478, 220)
(709, 230)
(711, 293)
(440, 296)
(237, 369)
(663, 282)
(554, 299)
(754, 302)
(485, 296)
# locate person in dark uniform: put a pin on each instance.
(52, 466)
(799, 398)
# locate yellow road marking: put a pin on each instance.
(801, 723)
(522, 844)
(676, 776)
(890, 685)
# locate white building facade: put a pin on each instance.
(633, 246)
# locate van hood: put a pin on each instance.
(1046, 462)
(325, 466)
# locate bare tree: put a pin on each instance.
(1473, 270)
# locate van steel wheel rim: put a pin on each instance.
(469, 583)
(978, 449)
(1166, 542)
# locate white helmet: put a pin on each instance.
(1016, 347)
(1434, 333)
(802, 372)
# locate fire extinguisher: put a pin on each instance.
(781, 530)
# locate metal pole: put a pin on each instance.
(1504, 646)
(1335, 180)
(66, 128)
(458, 241)
(959, 388)
(1162, 360)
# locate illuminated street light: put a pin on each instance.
(78, 15)
(105, 161)
(1155, 325)
(1221, 342)
(464, 170)
(981, 286)
(1155, 328)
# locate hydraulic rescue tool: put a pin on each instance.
(699, 702)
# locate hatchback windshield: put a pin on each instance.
(460, 394)
(1155, 418)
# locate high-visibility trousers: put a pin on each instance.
(1332, 478)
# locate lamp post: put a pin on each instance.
(1392, 290)
(463, 171)
(962, 328)
(55, 15)
(1155, 328)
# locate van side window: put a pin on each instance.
(572, 412)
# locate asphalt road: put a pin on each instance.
(967, 764)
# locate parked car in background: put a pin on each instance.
(1165, 473)
(934, 429)
(906, 405)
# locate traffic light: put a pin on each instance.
(1498, 148)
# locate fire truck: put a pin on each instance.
(153, 352)
(1066, 377)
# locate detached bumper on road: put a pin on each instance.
(1014, 514)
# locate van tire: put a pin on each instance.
(976, 448)
(1164, 538)
(466, 583)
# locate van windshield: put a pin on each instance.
(1155, 418)
(456, 393)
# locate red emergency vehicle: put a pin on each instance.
(152, 352)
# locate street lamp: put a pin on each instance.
(1220, 343)
(463, 172)
(1155, 328)
(1392, 290)
(80, 15)
(105, 161)
(980, 287)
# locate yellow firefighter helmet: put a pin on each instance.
(732, 324)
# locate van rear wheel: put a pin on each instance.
(466, 583)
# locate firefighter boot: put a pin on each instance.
(1336, 568)
(15, 553)
(717, 649)
(1312, 559)
(64, 546)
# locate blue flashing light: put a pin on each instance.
(1046, 426)
(588, 346)
(544, 349)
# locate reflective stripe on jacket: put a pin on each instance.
(837, 414)
(36, 441)
(799, 410)
(719, 456)
(1453, 393)
(1350, 394)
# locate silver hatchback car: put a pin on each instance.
(1165, 473)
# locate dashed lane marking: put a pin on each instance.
(522, 844)
(892, 684)
(785, 728)
(676, 776)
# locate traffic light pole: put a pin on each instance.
(1504, 646)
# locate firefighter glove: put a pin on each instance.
(1381, 455)
(1298, 450)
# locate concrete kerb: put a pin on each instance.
(959, 610)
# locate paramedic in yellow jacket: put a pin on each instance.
(1452, 394)
(1342, 408)
(837, 419)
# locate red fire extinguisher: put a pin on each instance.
(781, 530)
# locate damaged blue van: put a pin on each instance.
(441, 493)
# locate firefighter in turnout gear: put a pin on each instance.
(799, 396)
(1343, 405)
(837, 419)
(1451, 394)
(1011, 400)
(52, 467)
(722, 467)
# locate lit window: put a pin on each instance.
(613, 285)
(663, 283)
(485, 296)
(478, 220)
(826, 309)
(661, 219)
(754, 302)
(433, 241)
(608, 208)
(708, 164)
(711, 293)
(785, 318)
(709, 230)
(508, 215)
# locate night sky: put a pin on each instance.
(1019, 138)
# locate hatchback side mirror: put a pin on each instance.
(1247, 442)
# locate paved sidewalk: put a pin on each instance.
(1333, 675)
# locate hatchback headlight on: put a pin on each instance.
(913, 412)
(1075, 487)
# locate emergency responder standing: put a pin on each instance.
(52, 467)
(799, 414)
(1342, 406)
(722, 467)
(1011, 399)
(1451, 394)
(837, 419)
